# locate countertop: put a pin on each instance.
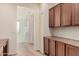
(65, 40)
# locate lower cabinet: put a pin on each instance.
(54, 47)
(46, 43)
(51, 47)
(72, 50)
(60, 48)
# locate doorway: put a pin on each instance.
(25, 28)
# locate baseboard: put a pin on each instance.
(40, 52)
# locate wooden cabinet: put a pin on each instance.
(51, 47)
(54, 16)
(75, 14)
(66, 14)
(60, 48)
(46, 43)
(57, 16)
(72, 50)
(51, 18)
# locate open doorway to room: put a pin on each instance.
(25, 30)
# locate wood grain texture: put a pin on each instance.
(60, 49)
(57, 16)
(66, 14)
(51, 18)
(75, 14)
(51, 47)
(59, 46)
(46, 46)
(65, 40)
(72, 50)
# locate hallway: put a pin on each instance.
(27, 50)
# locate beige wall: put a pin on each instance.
(36, 28)
(44, 27)
(8, 25)
(67, 32)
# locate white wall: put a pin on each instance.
(8, 25)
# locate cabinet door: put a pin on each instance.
(52, 47)
(51, 18)
(57, 16)
(75, 14)
(60, 49)
(46, 45)
(72, 50)
(66, 13)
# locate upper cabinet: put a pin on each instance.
(51, 18)
(54, 16)
(65, 14)
(75, 14)
(57, 16)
